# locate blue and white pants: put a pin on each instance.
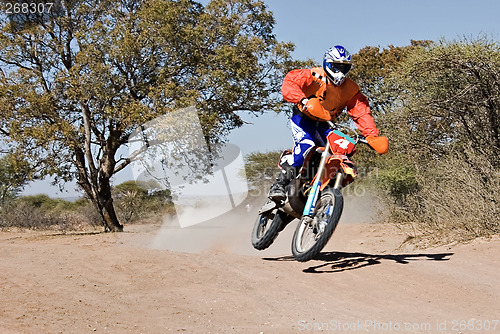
(306, 133)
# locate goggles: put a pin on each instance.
(339, 67)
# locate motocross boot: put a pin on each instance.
(277, 192)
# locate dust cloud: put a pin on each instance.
(231, 232)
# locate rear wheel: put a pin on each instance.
(313, 233)
(267, 227)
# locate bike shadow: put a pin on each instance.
(335, 262)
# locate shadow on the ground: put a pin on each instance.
(333, 262)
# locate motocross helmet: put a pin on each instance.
(337, 62)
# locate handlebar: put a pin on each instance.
(361, 139)
(331, 125)
(358, 138)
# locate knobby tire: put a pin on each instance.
(303, 255)
(266, 228)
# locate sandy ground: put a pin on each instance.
(208, 279)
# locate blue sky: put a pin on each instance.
(316, 25)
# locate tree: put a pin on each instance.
(77, 81)
(445, 126)
(451, 99)
(437, 102)
(14, 174)
(261, 169)
(373, 67)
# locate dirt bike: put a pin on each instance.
(313, 197)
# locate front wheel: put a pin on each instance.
(313, 233)
(267, 227)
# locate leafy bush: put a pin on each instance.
(398, 181)
(134, 203)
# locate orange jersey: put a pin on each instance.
(309, 83)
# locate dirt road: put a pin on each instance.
(132, 283)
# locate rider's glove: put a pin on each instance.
(378, 143)
(313, 109)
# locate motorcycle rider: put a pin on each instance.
(320, 95)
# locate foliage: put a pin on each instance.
(398, 181)
(261, 169)
(452, 203)
(372, 71)
(47, 203)
(373, 66)
(451, 99)
(14, 174)
(444, 129)
(79, 81)
(43, 212)
(134, 203)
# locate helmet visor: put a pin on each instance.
(340, 67)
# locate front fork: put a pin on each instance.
(309, 209)
(339, 178)
(312, 198)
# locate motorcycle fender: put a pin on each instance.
(350, 174)
(270, 205)
(333, 166)
(287, 208)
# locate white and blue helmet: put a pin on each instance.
(337, 62)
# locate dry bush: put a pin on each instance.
(454, 202)
(442, 175)
(23, 215)
(42, 213)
